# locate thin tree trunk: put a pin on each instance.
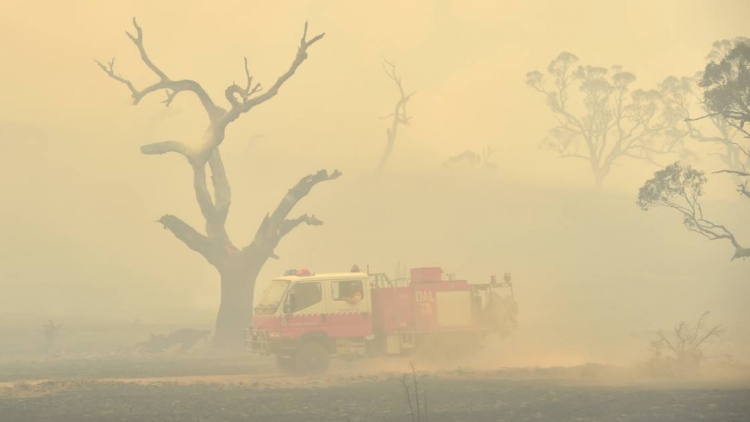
(386, 154)
(599, 175)
(599, 181)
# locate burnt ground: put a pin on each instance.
(248, 389)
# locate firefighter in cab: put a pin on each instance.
(354, 289)
(354, 296)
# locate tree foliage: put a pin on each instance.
(680, 187)
(610, 120)
(726, 96)
(726, 85)
(710, 128)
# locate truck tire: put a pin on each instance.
(311, 358)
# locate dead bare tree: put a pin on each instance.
(238, 267)
(611, 122)
(679, 187)
(479, 161)
(682, 346)
(51, 333)
(398, 117)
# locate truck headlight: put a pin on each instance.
(274, 335)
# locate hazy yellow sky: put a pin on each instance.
(467, 59)
(78, 200)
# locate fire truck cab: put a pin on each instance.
(303, 319)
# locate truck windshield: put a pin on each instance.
(271, 299)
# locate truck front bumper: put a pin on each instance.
(259, 341)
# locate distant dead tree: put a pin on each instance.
(611, 121)
(398, 117)
(237, 266)
(479, 161)
(51, 333)
(681, 348)
(680, 187)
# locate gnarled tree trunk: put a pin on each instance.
(236, 308)
(238, 268)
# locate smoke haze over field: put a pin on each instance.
(593, 272)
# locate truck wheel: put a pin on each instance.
(311, 358)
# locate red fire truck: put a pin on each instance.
(304, 319)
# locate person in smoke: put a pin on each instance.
(355, 293)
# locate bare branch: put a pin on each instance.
(138, 41)
(239, 108)
(398, 117)
(740, 173)
(109, 69)
(218, 117)
(188, 235)
(290, 224)
(300, 190)
(276, 225)
(666, 341)
(688, 119)
(165, 83)
(679, 187)
(166, 147)
(245, 92)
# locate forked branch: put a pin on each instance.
(188, 235)
(233, 90)
(276, 225)
(165, 83)
(241, 98)
(290, 224)
(166, 147)
(685, 341)
(248, 102)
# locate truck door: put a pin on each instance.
(350, 308)
(304, 309)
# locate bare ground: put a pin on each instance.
(245, 388)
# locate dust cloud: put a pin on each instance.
(595, 277)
